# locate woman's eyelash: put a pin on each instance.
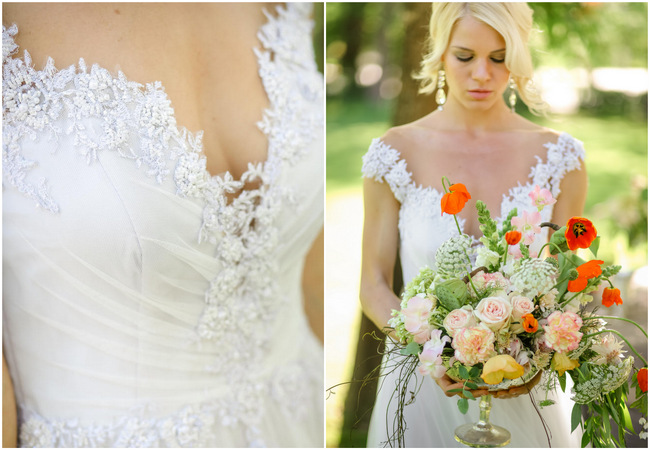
(469, 58)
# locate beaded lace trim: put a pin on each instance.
(383, 162)
(243, 299)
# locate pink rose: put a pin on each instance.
(474, 344)
(494, 280)
(520, 306)
(494, 312)
(562, 332)
(459, 319)
(416, 318)
(430, 359)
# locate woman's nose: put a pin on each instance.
(481, 71)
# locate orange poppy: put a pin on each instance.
(590, 269)
(642, 379)
(513, 237)
(580, 233)
(454, 201)
(530, 323)
(611, 296)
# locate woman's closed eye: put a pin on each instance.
(467, 58)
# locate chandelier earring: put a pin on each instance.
(441, 97)
(512, 99)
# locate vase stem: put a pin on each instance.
(485, 405)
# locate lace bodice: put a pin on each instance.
(422, 227)
(142, 307)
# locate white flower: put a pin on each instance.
(609, 349)
(486, 257)
(534, 277)
(547, 300)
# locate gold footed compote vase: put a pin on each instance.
(483, 433)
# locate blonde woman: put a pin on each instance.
(478, 52)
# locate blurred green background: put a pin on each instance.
(591, 61)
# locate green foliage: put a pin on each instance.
(452, 294)
(413, 348)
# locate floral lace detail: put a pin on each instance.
(291, 388)
(243, 298)
(384, 162)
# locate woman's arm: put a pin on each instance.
(9, 421)
(313, 286)
(379, 249)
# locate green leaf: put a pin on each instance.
(562, 380)
(586, 438)
(463, 405)
(576, 416)
(559, 240)
(411, 349)
(463, 372)
(627, 420)
(468, 394)
(474, 372)
(470, 385)
(455, 390)
(594, 246)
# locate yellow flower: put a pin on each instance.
(499, 367)
(562, 363)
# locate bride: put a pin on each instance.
(477, 52)
(156, 278)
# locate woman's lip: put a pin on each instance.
(479, 94)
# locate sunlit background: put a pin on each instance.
(591, 61)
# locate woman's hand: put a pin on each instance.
(447, 384)
(519, 390)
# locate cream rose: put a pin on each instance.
(459, 319)
(520, 306)
(494, 312)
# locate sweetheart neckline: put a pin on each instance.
(509, 195)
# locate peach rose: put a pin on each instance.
(459, 319)
(494, 312)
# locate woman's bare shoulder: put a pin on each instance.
(411, 137)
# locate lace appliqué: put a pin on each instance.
(383, 162)
(243, 299)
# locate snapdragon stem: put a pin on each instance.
(645, 363)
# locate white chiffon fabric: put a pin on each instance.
(433, 417)
(141, 307)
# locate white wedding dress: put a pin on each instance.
(432, 419)
(141, 308)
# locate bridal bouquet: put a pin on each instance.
(492, 317)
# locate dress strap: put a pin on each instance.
(563, 156)
(383, 162)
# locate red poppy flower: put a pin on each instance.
(590, 269)
(611, 296)
(454, 201)
(513, 237)
(642, 379)
(580, 233)
(530, 323)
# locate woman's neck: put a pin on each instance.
(459, 118)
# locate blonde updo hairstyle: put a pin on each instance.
(513, 21)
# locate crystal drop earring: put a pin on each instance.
(441, 97)
(512, 99)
